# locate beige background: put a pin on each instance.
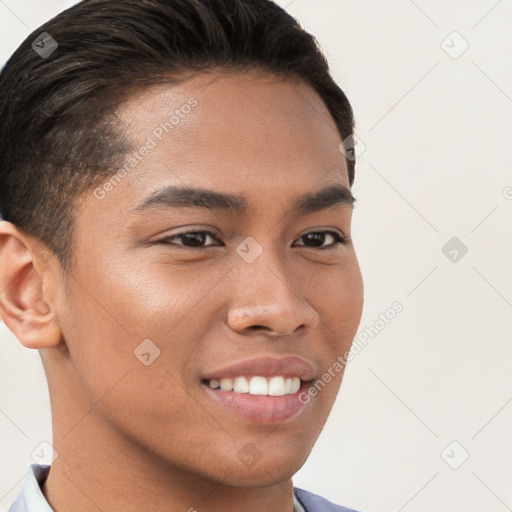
(434, 385)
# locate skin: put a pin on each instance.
(131, 437)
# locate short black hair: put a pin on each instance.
(59, 132)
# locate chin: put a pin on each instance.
(261, 475)
(271, 468)
(265, 469)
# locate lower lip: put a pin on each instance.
(261, 409)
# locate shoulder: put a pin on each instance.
(314, 503)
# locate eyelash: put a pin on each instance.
(339, 239)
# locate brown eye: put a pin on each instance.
(318, 238)
(192, 239)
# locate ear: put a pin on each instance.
(26, 281)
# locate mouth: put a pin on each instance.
(263, 391)
(257, 385)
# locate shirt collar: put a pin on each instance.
(31, 497)
(297, 505)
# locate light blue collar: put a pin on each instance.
(31, 498)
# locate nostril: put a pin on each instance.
(253, 327)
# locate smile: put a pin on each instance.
(263, 390)
(258, 385)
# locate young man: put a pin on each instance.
(176, 245)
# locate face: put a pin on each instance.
(178, 296)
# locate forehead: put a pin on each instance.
(284, 101)
(253, 114)
(237, 133)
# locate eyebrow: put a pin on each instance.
(191, 197)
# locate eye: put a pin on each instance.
(196, 239)
(317, 239)
(192, 239)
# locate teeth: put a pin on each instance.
(274, 386)
(214, 383)
(258, 386)
(241, 385)
(226, 384)
(295, 385)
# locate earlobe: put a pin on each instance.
(25, 304)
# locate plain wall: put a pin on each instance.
(434, 384)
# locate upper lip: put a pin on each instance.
(289, 366)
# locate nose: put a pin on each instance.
(269, 300)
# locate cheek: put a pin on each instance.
(336, 294)
(114, 315)
(152, 407)
(146, 397)
(337, 297)
(350, 295)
